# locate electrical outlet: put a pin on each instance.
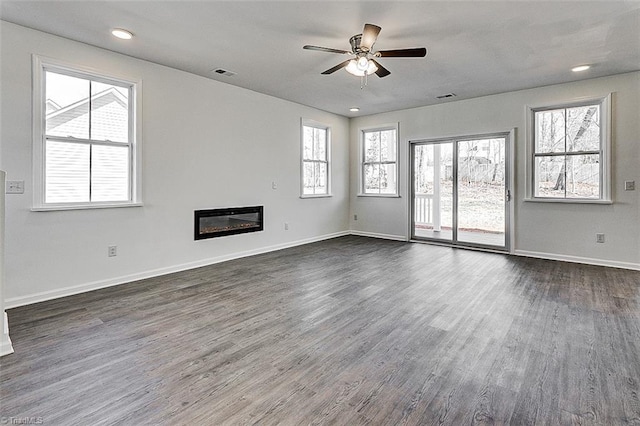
(286, 226)
(113, 251)
(14, 187)
(355, 217)
(629, 185)
(599, 238)
(274, 185)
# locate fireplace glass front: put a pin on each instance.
(228, 221)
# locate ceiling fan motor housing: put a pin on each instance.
(355, 44)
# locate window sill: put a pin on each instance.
(380, 195)
(567, 201)
(84, 207)
(316, 196)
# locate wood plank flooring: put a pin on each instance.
(348, 331)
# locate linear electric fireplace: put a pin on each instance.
(229, 221)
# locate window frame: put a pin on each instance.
(42, 64)
(361, 173)
(604, 102)
(316, 125)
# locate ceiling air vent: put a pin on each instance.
(224, 72)
(445, 96)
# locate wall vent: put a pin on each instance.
(222, 71)
(447, 95)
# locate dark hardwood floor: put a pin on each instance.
(347, 331)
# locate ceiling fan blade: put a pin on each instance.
(369, 36)
(418, 52)
(337, 67)
(381, 71)
(325, 49)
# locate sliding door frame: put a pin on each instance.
(509, 137)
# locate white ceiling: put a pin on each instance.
(475, 48)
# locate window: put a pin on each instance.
(569, 152)
(85, 138)
(315, 159)
(379, 171)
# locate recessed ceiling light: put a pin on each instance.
(123, 34)
(354, 109)
(580, 68)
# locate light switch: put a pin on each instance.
(15, 187)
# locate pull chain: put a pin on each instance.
(363, 80)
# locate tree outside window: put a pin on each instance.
(568, 152)
(315, 160)
(379, 165)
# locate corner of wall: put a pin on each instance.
(6, 347)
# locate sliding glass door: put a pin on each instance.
(459, 193)
(433, 191)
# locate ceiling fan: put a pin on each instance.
(362, 48)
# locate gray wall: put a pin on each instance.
(552, 230)
(206, 144)
(199, 133)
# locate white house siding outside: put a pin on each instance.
(81, 172)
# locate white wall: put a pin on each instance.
(5, 342)
(552, 230)
(206, 144)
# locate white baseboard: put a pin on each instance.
(525, 253)
(377, 235)
(6, 347)
(5, 343)
(578, 259)
(14, 302)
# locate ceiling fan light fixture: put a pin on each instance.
(363, 63)
(354, 69)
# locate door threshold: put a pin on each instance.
(462, 246)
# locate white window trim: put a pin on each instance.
(361, 132)
(605, 157)
(39, 126)
(311, 123)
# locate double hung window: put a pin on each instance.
(315, 159)
(85, 139)
(569, 152)
(379, 166)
